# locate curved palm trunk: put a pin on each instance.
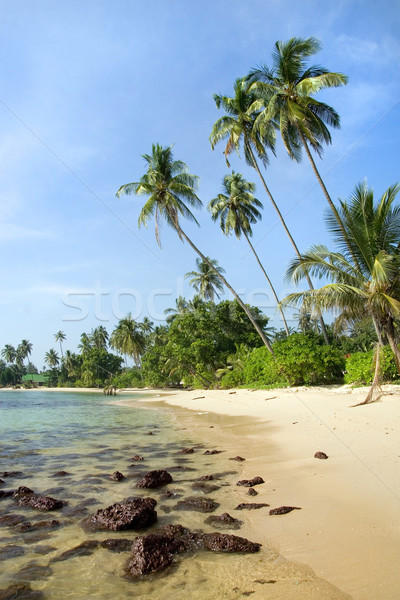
(282, 220)
(329, 199)
(230, 288)
(269, 282)
(389, 331)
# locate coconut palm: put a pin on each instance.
(85, 344)
(128, 339)
(287, 93)
(238, 127)
(367, 285)
(51, 358)
(205, 280)
(60, 337)
(24, 350)
(168, 184)
(99, 337)
(9, 353)
(182, 306)
(237, 209)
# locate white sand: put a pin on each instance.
(348, 528)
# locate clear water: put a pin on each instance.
(90, 436)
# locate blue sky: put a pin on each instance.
(88, 86)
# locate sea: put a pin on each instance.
(88, 436)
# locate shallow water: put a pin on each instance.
(90, 437)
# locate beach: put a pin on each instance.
(348, 527)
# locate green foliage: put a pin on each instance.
(360, 366)
(131, 378)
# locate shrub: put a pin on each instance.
(360, 366)
(129, 378)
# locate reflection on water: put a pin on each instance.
(66, 445)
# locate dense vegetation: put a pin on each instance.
(228, 343)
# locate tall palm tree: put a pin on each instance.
(205, 280)
(99, 337)
(237, 209)
(181, 306)
(85, 344)
(24, 350)
(237, 127)
(369, 283)
(287, 92)
(128, 339)
(9, 353)
(51, 358)
(60, 337)
(168, 184)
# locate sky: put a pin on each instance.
(87, 86)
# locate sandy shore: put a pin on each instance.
(348, 530)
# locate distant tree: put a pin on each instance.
(205, 280)
(60, 337)
(9, 353)
(52, 359)
(128, 339)
(85, 344)
(99, 337)
(24, 350)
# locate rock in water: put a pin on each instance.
(224, 521)
(41, 502)
(131, 514)
(283, 510)
(117, 476)
(251, 482)
(250, 506)
(155, 479)
(321, 455)
(224, 542)
(154, 552)
(197, 503)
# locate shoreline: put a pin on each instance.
(348, 528)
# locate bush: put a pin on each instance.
(360, 367)
(130, 378)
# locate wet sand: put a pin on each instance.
(348, 528)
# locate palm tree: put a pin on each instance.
(128, 339)
(99, 337)
(146, 326)
(9, 353)
(51, 358)
(60, 337)
(287, 92)
(23, 351)
(168, 183)
(237, 209)
(369, 283)
(205, 280)
(238, 126)
(85, 344)
(182, 306)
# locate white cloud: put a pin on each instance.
(368, 52)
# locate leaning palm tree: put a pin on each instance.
(168, 184)
(238, 126)
(237, 209)
(287, 97)
(365, 278)
(205, 280)
(60, 337)
(128, 339)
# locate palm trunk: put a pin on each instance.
(230, 288)
(282, 220)
(378, 331)
(376, 381)
(269, 282)
(329, 199)
(389, 331)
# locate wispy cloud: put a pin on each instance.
(10, 232)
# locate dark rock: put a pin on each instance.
(321, 455)
(117, 476)
(250, 506)
(131, 514)
(213, 452)
(43, 549)
(117, 545)
(11, 520)
(6, 494)
(250, 482)
(224, 542)
(205, 487)
(41, 502)
(137, 457)
(154, 552)
(224, 521)
(22, 491)
(84, 549)
(155, 479)
(11, 551)
(238, 458)
(61, 474)
(33, 572)
(199, 504)
(186, 451)
(206, 478)
(149, 433)
(283, 510)
(20, 591)
(1, 481)
(252, 492)
(11, 474)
